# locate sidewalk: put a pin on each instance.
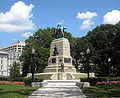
(58, 90)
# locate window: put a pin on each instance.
(19, 50)
(1, 60)
(1, 66)
(19, 45)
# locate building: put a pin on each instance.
(4, 63)
(17, 47)
(9, 55)
(13, 57)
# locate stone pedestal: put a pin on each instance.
(61, 47)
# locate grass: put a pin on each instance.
(15, 91)
(103, 91)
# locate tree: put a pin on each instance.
(79, 52)
(15, 70)
(105, 40)
(41, 42)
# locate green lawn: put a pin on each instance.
(15, 91)
(103, 91)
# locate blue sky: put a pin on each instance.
(21, 18)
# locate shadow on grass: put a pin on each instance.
(20, 92)
(1, 89)
(11, 90)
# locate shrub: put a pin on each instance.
(15, 70)
(6, 78)
(22, 79)
(94, 80)
(28, 81)
(3, 78)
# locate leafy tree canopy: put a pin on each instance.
(103, 41)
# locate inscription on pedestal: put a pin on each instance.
(67, 60)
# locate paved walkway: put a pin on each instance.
(58, 90)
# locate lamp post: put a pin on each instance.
(109, 60)
(112, 71)
(88, 54)
(33, 65)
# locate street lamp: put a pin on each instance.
(33, 50)
(33, 66)
(109, 60)
(88, 51)
(88, 54)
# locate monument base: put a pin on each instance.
(57, 68)
(61, 76)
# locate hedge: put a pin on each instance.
(28, 81)
(94, 80)
(22, 79)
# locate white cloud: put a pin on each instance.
(18, 18)
(27, 34)
(87, 15)
(112, 17)
(87, 24)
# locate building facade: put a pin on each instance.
(9, 55)
(17, 47)
(3, 64)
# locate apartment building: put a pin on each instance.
(17, 47)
